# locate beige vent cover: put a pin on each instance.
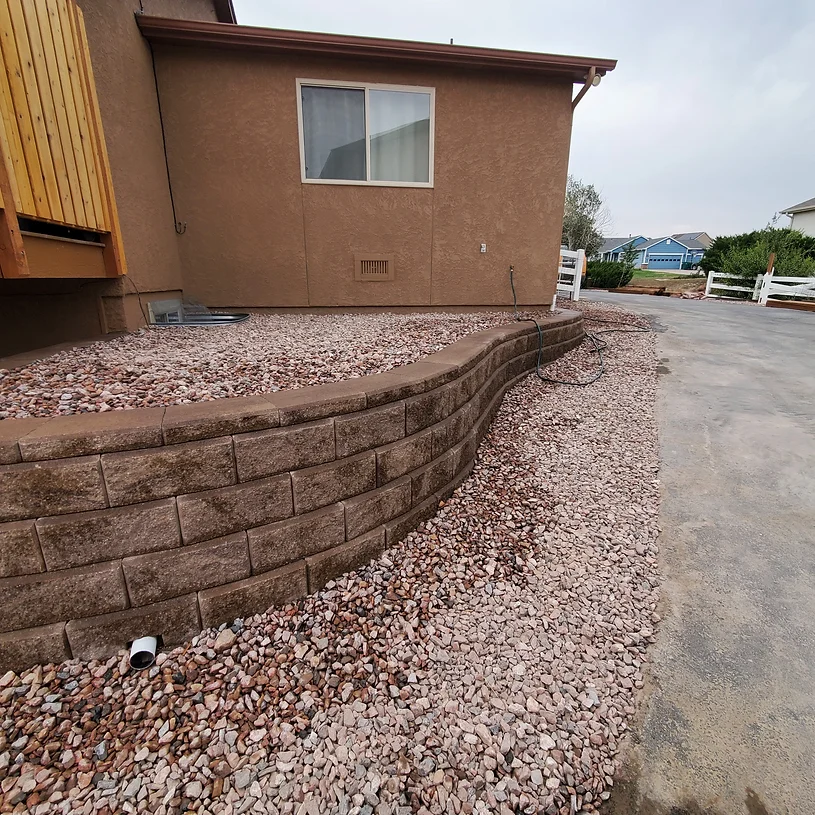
(373, 267)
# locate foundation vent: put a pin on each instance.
(373, 267)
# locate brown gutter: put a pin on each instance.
(586, 85)
(160, 30)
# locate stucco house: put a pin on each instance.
(250, 167)
(682, 250)
(802, 216)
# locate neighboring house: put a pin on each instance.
(802, 217)
(613, 248)
(284, 169)
(671, 253)
(682, 250)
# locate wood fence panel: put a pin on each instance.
(53, 140)
(25, 165)
(80, 110)
(68, 179)
(48, 104)
(58, 17)
(32, 106)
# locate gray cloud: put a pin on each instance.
(708, 122)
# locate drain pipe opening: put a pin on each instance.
(143, 653)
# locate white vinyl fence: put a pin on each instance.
(767, 287)
(785, 286)
(726, 285)
(571, 269)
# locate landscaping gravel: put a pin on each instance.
(488, 664)
(268, 352)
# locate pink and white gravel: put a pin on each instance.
(488, 664)
(269, 352)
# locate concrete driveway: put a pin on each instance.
(727, 724)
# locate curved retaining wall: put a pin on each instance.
(165, 521)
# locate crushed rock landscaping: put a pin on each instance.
(269, 352)
(488, 664)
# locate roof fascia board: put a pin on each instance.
(250, 38)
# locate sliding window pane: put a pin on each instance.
(334, 133)
(400, 136)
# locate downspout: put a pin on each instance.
(592, 78)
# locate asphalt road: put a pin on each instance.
(727, 722)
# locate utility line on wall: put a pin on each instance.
(180, 226)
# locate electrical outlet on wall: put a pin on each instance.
(483, 247)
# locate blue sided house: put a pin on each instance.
(613, 248)
(683, 250)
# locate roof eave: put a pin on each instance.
(804, 206)
(220, 35)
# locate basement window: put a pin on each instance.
(358, 133)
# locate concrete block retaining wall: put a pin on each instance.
(165, 521)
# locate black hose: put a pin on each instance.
(593, 337)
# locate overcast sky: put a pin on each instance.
(708, 122)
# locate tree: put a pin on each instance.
(585, 217)
(629, 254)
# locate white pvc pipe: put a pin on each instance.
(143, 653)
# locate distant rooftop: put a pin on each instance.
(691, 240)
(688, 243)
(804, 206)
(694, 240)
(610, 244)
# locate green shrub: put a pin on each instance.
(792, 259)
(608, 274)
(742, 254)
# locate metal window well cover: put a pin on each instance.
(177, 312)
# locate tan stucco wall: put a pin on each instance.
(178, 9)
(127, 99)
(257, 236)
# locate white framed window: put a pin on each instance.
(363, 133)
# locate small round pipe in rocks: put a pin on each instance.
(143, 653)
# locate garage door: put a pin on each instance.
(664, 261)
